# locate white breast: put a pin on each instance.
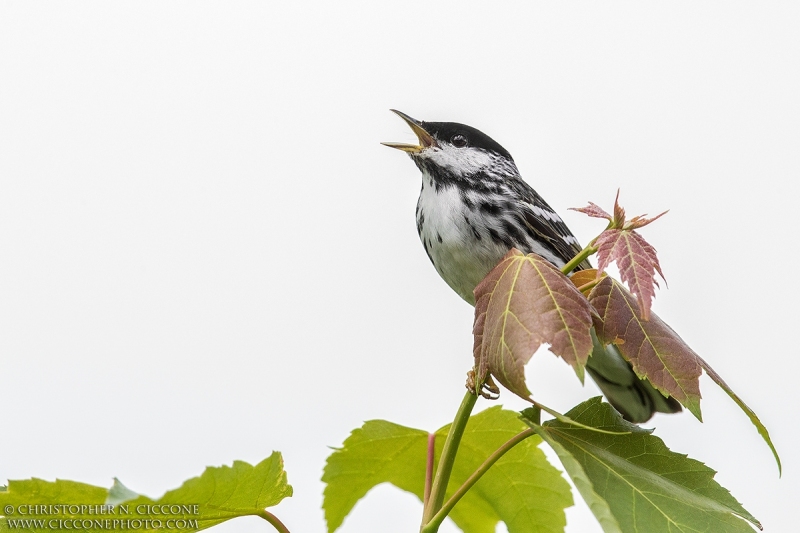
(456, 240)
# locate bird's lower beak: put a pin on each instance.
(425, 138)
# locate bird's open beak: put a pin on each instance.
(425, 139)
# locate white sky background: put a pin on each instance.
(206, 254)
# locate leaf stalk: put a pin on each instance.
(578, 259)
(429, 468)
(273, 520)
(438, 518)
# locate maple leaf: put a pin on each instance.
(522, 303)
(522, 489)
(760, 427)
(637, 262)
(634, 483)
(586, 279)
(654, 350)
(635, 257)
(217, 495)
(593, 210)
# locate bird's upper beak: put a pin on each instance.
(425, 138)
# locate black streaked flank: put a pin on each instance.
(491, 209)
(500, 238)
(468, 203)
(474, 231)
(513, 231)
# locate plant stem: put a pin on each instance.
(434, 523)
(588, 286)
(447, 459)
(272, 519)
(578, 259)
(429, 467)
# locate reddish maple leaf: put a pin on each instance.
(593, 210)
(637, 262)
(653, 348)
(659, 354)
(635, 257)
(522, 303)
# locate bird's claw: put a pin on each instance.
(488, 388)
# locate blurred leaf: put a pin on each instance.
(119, 493)
(522, 303)
(219, 494)
(522, 489)
(226, 492)
(634, 483)
(654, 350)
(21, 497)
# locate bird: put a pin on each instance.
(474, 207)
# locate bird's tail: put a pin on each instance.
(636, 399)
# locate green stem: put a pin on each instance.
(447, 459)
(272, 519)
(578, 259)
(436, 521)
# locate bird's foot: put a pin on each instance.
(488, 388)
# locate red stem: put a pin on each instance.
(429, 467)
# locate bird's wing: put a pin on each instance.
(548, 227)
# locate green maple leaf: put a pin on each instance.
(634, 483)
(219, 494)
(522, 489)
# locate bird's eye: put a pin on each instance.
(459, 141)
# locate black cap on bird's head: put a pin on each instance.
(446, 135)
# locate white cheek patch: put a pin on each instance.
(460, 161)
